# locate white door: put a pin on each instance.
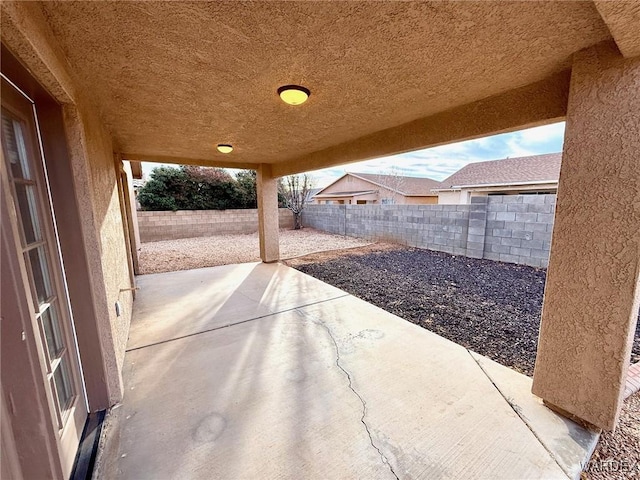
(24, 184)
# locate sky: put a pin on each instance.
(440, 162)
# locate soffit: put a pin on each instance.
(173, 79)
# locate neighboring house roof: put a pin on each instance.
(516, 171)
(407, 186)
(410, 186)
(355, 193)
(312, 193)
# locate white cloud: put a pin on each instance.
(440, 162)
(147, 167)
(542, 134)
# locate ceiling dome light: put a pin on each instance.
(225, 148)
(294, 94)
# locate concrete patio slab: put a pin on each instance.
(327, 386)
(429, 405)
(570, 444)
(178, 304)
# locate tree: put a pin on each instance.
(247, 183)
(395, 182)
(164, 190)
(294, 190)
(190, 188)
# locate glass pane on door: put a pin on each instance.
(40, 273)
(26, 197)
(15, 147)
(29, 201)
(62, 381)
(52, 333)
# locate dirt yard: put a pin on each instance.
(617, 455)
(188, 253)
(492, 308)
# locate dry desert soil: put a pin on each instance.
(490, 307)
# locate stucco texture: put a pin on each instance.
(27, 34)
(622, 18)
(591, 297)
(96, 189)
(175, 78)
(172, 79)
(268, 218)
(108, 218)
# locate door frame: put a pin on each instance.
(70, 192)
(34, 444)
(69, 419)
(24, 394)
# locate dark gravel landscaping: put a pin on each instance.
(492, 308)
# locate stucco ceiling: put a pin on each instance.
(174, 78)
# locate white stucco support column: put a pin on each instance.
(592, 292)
(268, 222)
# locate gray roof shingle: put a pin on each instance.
(404, 185)
(508, 170)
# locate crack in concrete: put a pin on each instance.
(384, 458)
(518, 412)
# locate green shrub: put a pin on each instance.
(197, 188)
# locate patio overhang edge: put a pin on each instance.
(536, 104)
(622, 19)
(136, 169)
(202, 162)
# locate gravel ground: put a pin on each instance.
(617, 455)
(492, 308)
(188, 253)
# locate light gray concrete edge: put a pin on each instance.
(451, 401)
(570, 444)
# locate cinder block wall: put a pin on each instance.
(518, 229)
(438, 227)
(509, 228)
(168, 225)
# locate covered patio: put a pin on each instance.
(91, 88)
(260, 371)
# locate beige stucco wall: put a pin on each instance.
(463, 197)
(420, 200)
(452, 198)
(349, 183)
(268, 218)
(370, 197)
(26, 33)
(592, 291)
(91, 150)
(109, 224)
